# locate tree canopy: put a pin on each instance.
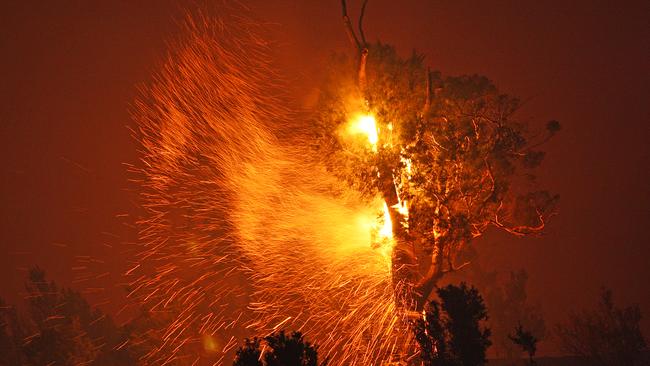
(446, 153)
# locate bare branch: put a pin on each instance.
(364, 43)
(521, 230)
(453, 268)
(348, 26)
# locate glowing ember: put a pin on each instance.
(242, 234)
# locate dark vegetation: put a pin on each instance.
(453, 147)
(58, 327)
(280, 350)
(450, 331)
(608, 335)
(526, 340)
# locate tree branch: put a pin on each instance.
(362, 70)
(364, 44)
(348, 26)
(521, 230)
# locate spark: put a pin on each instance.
(242, 233)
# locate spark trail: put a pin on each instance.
(245, 232)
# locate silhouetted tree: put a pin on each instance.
(249, 354)
(450, 331)
(509, 306)
(12, 335)
(526, 340)
(607, 336)
(448, 148)
(61, 328)
(279, 350)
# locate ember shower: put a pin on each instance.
(245, 231)
(339, 224)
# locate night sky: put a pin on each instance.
(71, 69)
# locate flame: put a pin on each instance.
(227, 202)
(402, 208)
(365, 124)
(386, 230)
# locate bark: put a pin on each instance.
(363, 57)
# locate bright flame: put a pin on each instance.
(227, 201)
(365, 124)
(386, 230)
(402, 208)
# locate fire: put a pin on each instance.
(242, 234)
(402, 208)
(365, 124)
(386, 230)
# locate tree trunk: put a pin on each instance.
(412, 286)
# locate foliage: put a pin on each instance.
(450, 332)
(607, 336)
(450, 147)
(279, 350)
(526, 340)
(61, 328)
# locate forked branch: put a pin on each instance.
(348, 26)
(360, 45)
(364, 44)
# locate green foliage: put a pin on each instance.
(280, 350)
(450, 332)
(608, 336)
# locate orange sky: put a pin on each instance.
(70, 72)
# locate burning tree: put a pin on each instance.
(446, 154)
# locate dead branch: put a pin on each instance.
(364, 44)
(521, 230)
(348, 26)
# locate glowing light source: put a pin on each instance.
(386, 230)
(210, 344)
(365, 124)
(402, 208)
(208, 214)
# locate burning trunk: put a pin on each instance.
(414, 273)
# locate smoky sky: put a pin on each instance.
(70, 70)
